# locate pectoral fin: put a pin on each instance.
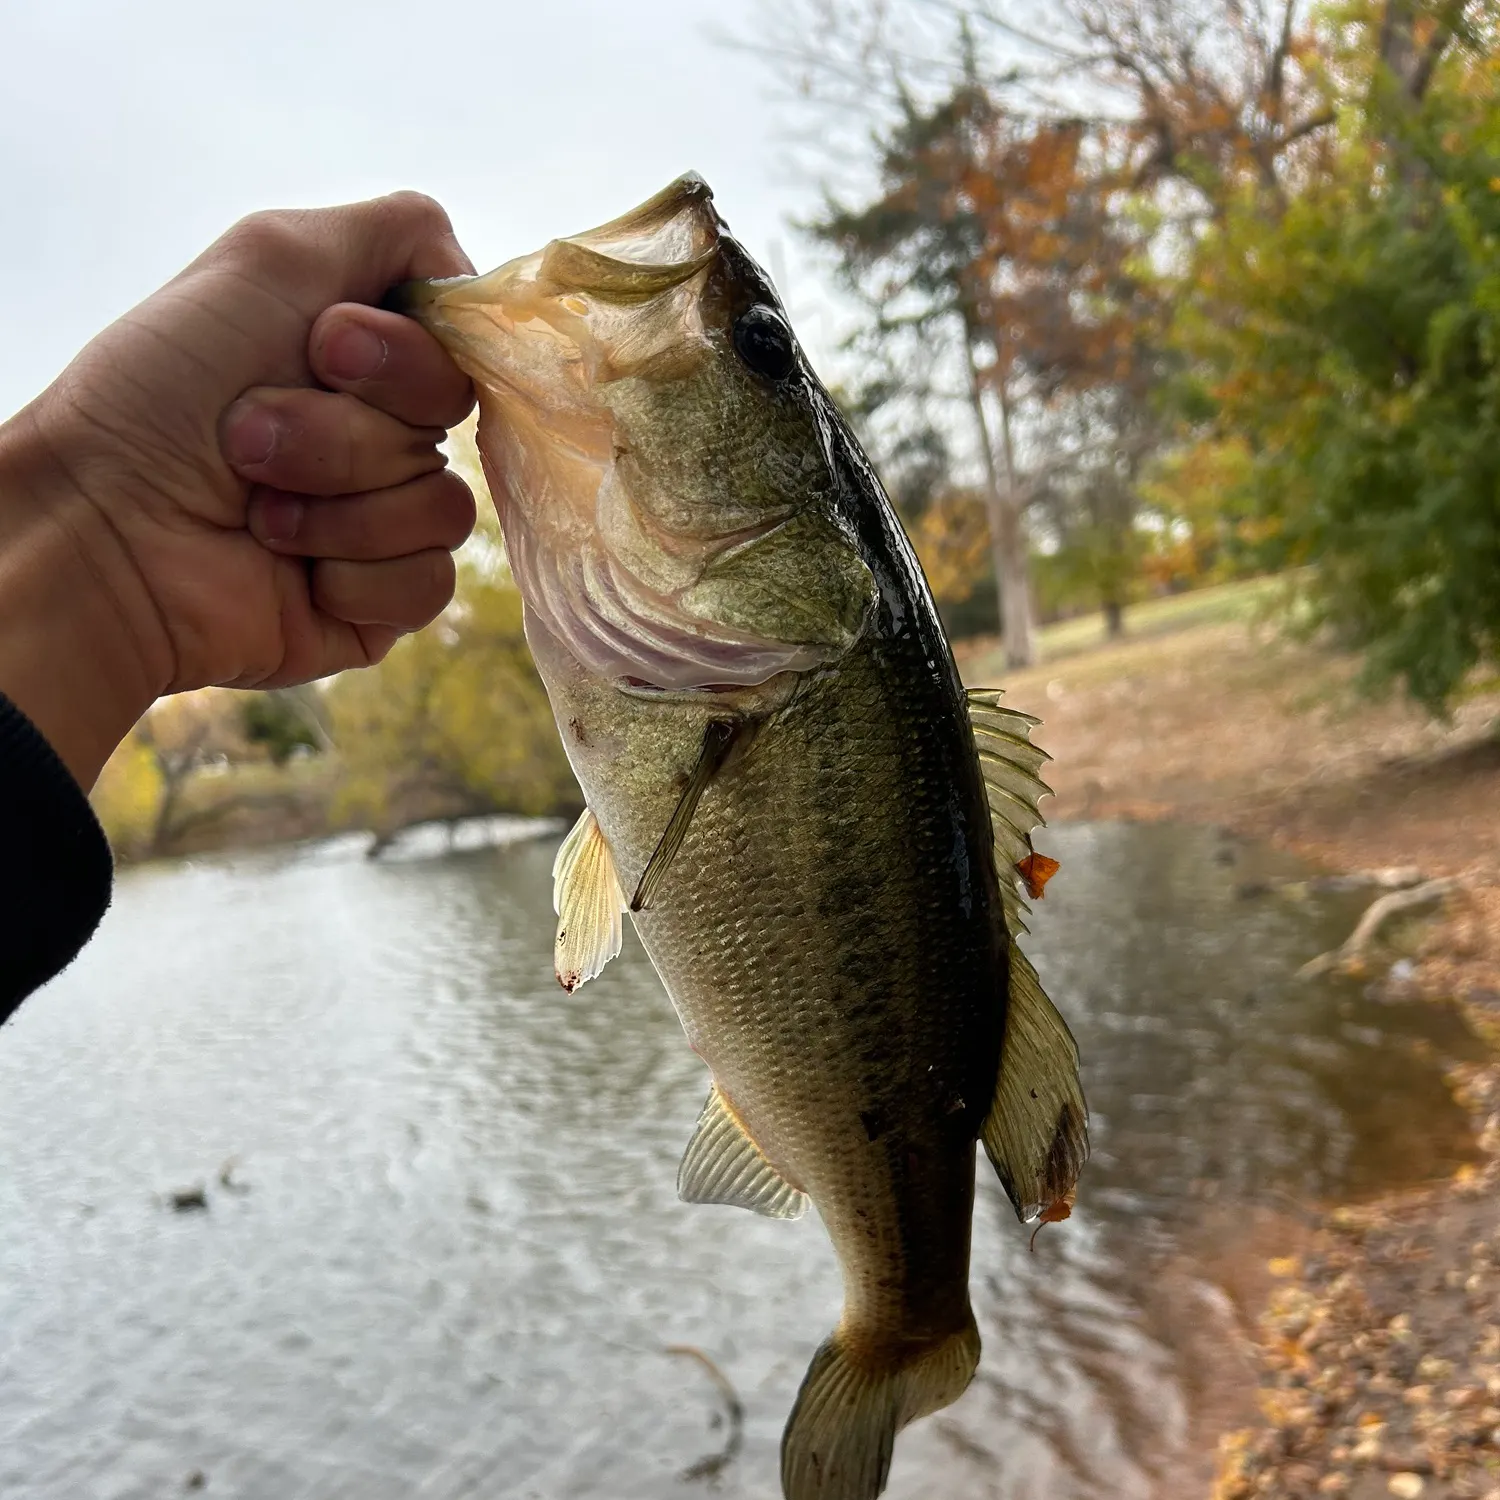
(589, 903)
(723, 1165)
(718, 740)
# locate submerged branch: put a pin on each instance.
(712, 1465)
(1351, 953)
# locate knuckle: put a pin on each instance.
(327, 586)
(272, 239)
(376, 642)
(333, 440)
(420, 210)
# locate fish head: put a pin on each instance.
(659, 452)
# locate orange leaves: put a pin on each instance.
(1054, 1213)
(1035, 871)
(952, 538)
(1014, 223)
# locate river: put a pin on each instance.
(446, 1259)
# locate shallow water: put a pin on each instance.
(449, 1260)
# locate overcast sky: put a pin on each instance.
(133, 131)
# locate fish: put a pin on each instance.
(815, 829)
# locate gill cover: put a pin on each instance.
(667, 509)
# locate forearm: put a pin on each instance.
(55, 869)
(70, 658)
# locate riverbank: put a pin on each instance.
(1372, 1333)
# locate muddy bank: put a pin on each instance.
(1379, 1353)
(1365, 1357)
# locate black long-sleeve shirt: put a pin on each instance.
(55, 866)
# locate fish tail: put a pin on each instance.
(838, 1439)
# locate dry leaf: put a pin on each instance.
(1059, 1209)
(1036, 870)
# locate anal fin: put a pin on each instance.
(723, 1165)
(1036, 1133)
(589, 903)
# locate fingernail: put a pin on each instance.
(353, 353)
(275, 517)
(250, 434)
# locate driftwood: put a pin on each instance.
(714, 1464)
(1348, 955)
(1393, 878)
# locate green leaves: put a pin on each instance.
(1354, 344)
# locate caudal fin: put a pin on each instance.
(838, 1439)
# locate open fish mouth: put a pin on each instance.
(618, 543)
(589, 291)
(648, 251)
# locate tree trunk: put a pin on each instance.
(1411, 65)
(172, 774)
(1114, 619)
(1007, 535)
(307, 703)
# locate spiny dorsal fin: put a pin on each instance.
(1009, 763)
(718, 740)
(1037, 1130)
(589, 903)
(723, 1165)
(1037, 1133)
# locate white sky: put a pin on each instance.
(133, 131)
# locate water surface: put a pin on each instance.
(450, 1259)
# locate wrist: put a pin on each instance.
(76, 654)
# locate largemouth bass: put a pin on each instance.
(815, 829)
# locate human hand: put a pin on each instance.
(237, 483)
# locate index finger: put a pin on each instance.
(354, 253)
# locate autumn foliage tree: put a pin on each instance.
(455, 721)
(1303, 190)
(1352, 345)
(998, 231)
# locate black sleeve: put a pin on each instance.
(55, 866)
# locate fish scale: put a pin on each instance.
(818, 825)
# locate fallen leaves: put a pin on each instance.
(1380, 1346)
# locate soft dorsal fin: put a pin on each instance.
(723, 1165)
(718, 740)
(589, 903)
(1036, 1133)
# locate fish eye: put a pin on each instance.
(763, 340)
